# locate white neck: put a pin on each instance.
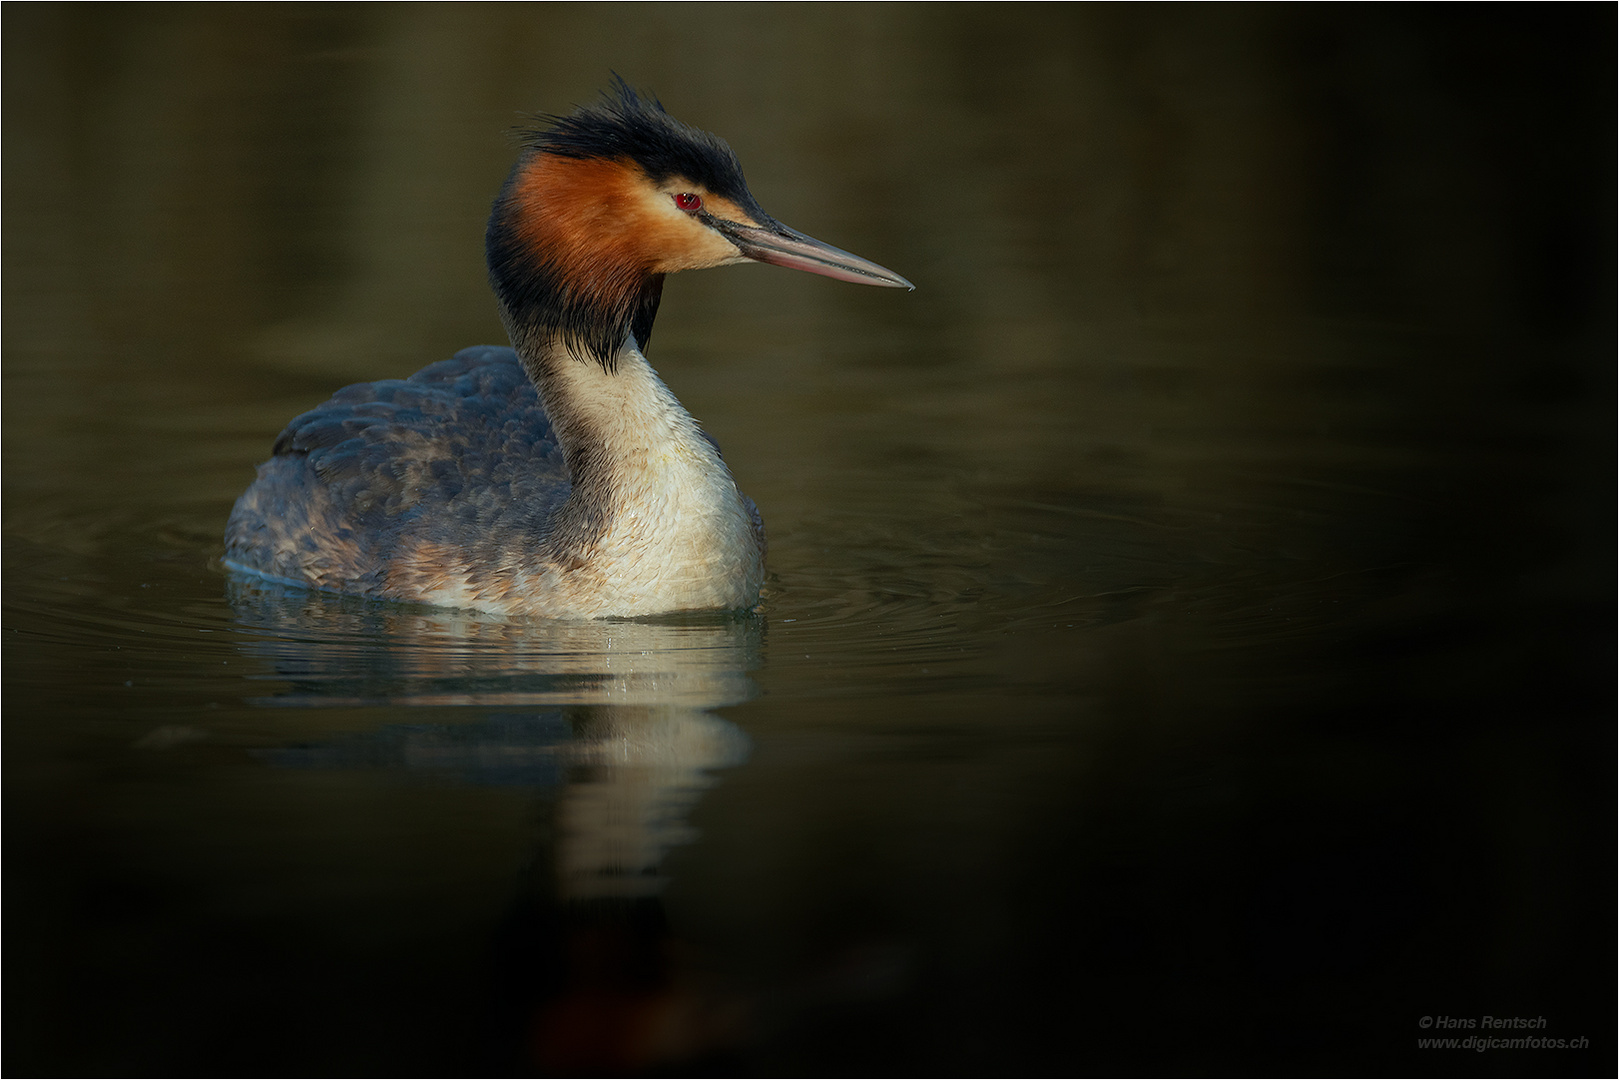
(654, 522)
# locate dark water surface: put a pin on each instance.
(1189, 640)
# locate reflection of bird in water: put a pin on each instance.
(605, 722)
(608, 988)
(327, 651)
(592, 975)
(624, 778)
(563, 479)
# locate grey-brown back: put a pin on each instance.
(458, 457)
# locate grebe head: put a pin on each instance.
(605, 202)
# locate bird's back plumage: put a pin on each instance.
(462, 448)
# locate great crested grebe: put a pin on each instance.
(562, 479)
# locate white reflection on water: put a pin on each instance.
(625, 744)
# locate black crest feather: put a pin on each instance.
(624, 124)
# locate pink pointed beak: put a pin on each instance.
(778, 245)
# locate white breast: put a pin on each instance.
(679, 535)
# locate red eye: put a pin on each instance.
(689, 202)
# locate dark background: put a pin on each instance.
(1190, 645)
